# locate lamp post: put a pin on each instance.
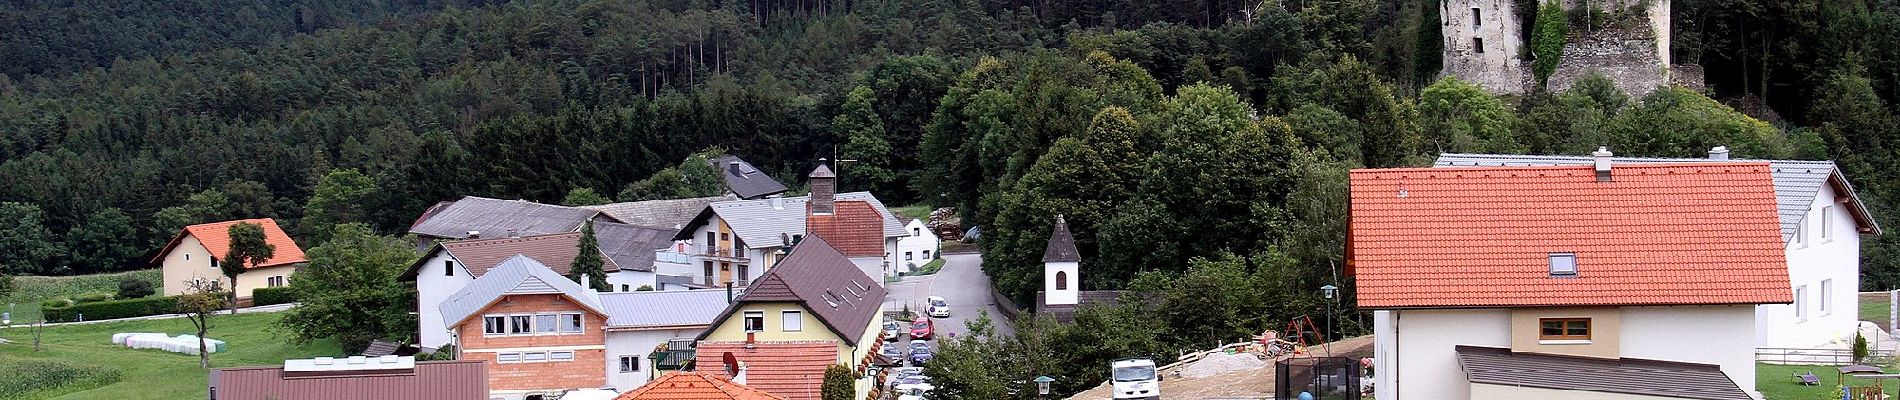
(1329, 291)
(1042, 386)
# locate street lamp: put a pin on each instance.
(1042, 385)
(1329, 291)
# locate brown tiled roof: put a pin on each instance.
(855, 228)
(792, 370)
(434, 380)
(557, 251)
(696, 386)
(1061, 244)
(820, 278)
(1499, 366)
(216, 237)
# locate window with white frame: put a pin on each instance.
(544, 323)
(908, 256)
(927, 255)
(494, 325)
(560, 356)
(507, 357)
(629, 364)
(754, 321)
(1827, 296)
(1801, 303)
(571, 323)
(1801, 234)
(1827, 224)
(534, 356)
(520, 324)
(791, 321)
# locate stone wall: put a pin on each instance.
(1634, 55)
(1496, 66)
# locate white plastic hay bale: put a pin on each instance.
(119, 338)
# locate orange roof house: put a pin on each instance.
(695, 386)
(194, 253)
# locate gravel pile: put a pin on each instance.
(1221, 363)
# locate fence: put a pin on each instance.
(1004, 305)
(1799, 356)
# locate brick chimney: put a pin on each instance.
(1603, 155)
(824, 185)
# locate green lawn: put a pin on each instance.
(29, 291)
(1776, 382)
(1873, 307)
(919, 211)
(154, 374)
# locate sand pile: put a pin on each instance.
(1221, 363)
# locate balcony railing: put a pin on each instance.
(718, 251)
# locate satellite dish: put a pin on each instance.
(732, 363)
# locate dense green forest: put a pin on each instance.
(1165, 131)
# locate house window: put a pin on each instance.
(927, 255)
(534, 357)
(1563, 329)
(1801, 303)
(629, 364)
(1827, 295)
(1477, 18)
(187, 256)
(494, 325)
(1062, 280)
(916, 232)
(907, 256)
(1827, 225)
(544, 323)
(274, 281)
(709, 272)
(1563, 264)
(571, 323)
(791, 321)
(754, 321)
(745, 274)
(448, 267)
(507, 357)
(1801, 234)
(214, 263)
(561, 356)
(623, 288)
(520, 324)
(1477, 44)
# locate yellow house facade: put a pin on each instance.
(811, 311)
(196, 251)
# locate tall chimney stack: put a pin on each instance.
(1719, 153)
(733, 167)
(1603, 163)
(824, 185)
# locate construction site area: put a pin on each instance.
(1250, 370)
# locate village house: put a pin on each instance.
(918, 247)
(194, 254)
(1510, 282)
(1062, 293)
(696, 386)
(355, 378)
(813, 310)
(745, 181)
(1821, 218)
(737, 241)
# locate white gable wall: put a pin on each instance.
(1835, 259)
(1717, 335)
(432, 287)
(627, 280)
(638, 344)
(1424, 365)
(916, 248)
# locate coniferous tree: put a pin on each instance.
(588, 263)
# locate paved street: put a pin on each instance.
(962, 283)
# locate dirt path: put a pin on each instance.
(1253, 384)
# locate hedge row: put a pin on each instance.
(275, 295)
(112, 309)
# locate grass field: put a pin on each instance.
(29, 291)
(912, 211)
(153, 374)
(1873, 307)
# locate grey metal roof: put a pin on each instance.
(1061, 244)
(518, 275)
(1796, 181)
(667, 214)
(663, 308)
(1499, 366)
(496, 217)
(759, 224)
(745, 180)
(631, 247)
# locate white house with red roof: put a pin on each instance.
(1611, 280)
(194, 253)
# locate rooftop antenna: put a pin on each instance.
(837, 166)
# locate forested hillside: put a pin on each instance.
(1165, 131)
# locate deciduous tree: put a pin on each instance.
(347, 291)
(248, 249)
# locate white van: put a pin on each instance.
(1135, 378)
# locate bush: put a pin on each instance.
(93, 297)
(6, 285)
(1860, 348)
(135, 288)
(112, 309)
(276, 295)
(1547, 40)
(25, 378)
(56, 303)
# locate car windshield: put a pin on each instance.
(1130, 374)
(890, 326)
(938, 303)
(925, 325)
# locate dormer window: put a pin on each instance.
(1563, 264)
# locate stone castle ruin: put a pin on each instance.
(1627, 41)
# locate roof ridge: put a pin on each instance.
(1585, 157)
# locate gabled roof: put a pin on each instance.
(759, 223)
(495, 218)
(216, 238)
(678, 385)
(1061, 244)
(519, 275)
(824, 281)
(792, 370)
(1653, 378)
(1796, 181)
(1655, 234)
(854, 227)
(435, 380)
(673, 308)
(745, 180)
(557, 251)
(631, 247)
(667, 214)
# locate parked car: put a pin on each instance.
(922, 329)
(920, 352)
(912, 394)
(939, 307)
(892, 331)
(894, 352)
(915, 384)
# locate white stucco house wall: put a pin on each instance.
(918, 246)
(639, 322)
(1822, 220)
(737, 241)
(1502, 282)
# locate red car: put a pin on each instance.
(922, 329)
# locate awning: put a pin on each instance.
(1641, 377)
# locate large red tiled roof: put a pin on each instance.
(792, 370)
(695, 386)
(216, 238)
(1655, 234)
(855, 229)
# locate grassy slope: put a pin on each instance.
(30, 290)
(154, 374)
(912, 211)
